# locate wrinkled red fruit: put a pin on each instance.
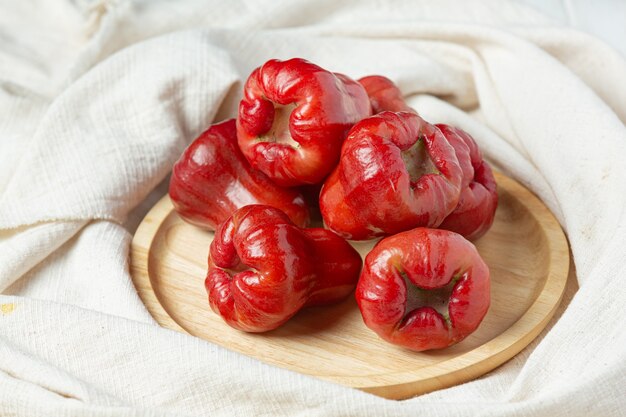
(263, 269)
(396, 172)
(424, 289)
(384, 95)
(212, 179)
(294, 117)
(474, 214)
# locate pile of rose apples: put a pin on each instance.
(307, 141)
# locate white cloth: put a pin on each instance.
(97, 102)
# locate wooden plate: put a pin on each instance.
(525, 250)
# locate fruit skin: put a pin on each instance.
(477, 205)
(293, 118)
(427, 259)
(212, 179)
(474, 214)
(263, 269)
(396, 172)
(384, 94)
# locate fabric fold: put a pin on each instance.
(99, 150)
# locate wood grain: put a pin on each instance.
(526, 251)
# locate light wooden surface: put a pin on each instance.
(526, 251)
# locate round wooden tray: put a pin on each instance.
(525, 249)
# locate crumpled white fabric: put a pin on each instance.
(98, 100)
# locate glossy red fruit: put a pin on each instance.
(294, 117)
(474, 214)
(424, 289)
(263, 269)
(212, 179)
(396, 172)
(384, 95)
